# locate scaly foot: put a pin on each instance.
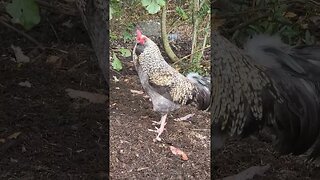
(161, 129)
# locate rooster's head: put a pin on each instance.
(141, 39)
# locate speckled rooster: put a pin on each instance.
(167, 88)
(269, 84)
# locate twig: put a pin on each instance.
(55, 9)
(164, 36)
(54, 31)
(22, 33)
(76, 66)
(195, 26)
(205, 38)
(185, 57)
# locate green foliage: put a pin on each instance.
(116, 63)
(125, 52)
(153, 6)
(24, 12)
(182, 14)
(113, 36)
(127, 34)
(288, 19)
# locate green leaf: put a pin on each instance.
(161, 2)
(116, 63)
(125, 52)
(153, 8)
(24, 12)
(113, 36)
(127, 36)
(145, 2)
(181, 13)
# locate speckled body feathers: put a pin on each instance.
(167, 88)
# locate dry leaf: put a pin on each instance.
(20, 57)
(115, 79)
(2, 140)
(52, 59)
(290, 14)
(14, 135)
(136, 92)
(25, 84)
(177, 151)
(92, 97)
(68, 24)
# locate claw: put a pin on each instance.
(156, 122)
(160, 129)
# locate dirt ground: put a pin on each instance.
(45, 134)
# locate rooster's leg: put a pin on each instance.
(161, 129)
(184, 118)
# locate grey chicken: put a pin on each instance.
(167, 88)
(269, 85)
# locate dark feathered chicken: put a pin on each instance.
(167, 88)
(270, 85)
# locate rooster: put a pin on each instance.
(270, 84)
(167, 88)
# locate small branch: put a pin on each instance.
(205, 38)
(22, 33)
(164, 36)
(195, 26)
(185, 57)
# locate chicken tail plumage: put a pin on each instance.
(203, 85)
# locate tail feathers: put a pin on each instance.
(203, 85)
(271, 52)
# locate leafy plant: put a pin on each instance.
(24, 12)
(116, 63)
(182, 14)
(153, 6)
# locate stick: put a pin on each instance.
(22, 33)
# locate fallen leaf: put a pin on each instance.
(14, 135)
(91, 97)
(23, 149)
(2, 140)
(20, 57)
(13, 160)
(177, 151)
(290, 14)
(68, 24)
(136, 92)
(52, 59)
(25, 84)
(115, 79)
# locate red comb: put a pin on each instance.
(139, 34)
